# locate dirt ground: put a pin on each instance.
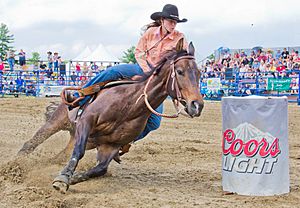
(177, 166)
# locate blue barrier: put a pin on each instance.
(33, 82)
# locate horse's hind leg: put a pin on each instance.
(67, 151)
(58, 121)
(104, 156)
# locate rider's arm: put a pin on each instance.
(140, 53)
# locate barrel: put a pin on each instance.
(255, 145)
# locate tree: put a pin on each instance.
(128, 56)
(5, 40)
(35, 58)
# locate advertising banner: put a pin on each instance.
(255, 145)
(49, 91)
(213, 84)
(279, 84)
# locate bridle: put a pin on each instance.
(174, 92)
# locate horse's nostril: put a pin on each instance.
(196, 106)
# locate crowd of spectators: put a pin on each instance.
(19, 76)
(258, 63)
(24, 77)
(263, 62)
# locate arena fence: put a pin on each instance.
(34, 81)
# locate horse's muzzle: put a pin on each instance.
(194, 108)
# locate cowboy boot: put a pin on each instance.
(70, 98)
(124, 149)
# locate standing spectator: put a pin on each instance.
(11, 59)
(269, 55)
(85, 68)
(50, 60)
(1, 67)
(278, 54)
(284, 54)
(22, 58)
(55, 61)
(78, 69)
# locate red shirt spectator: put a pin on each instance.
(1, 66)
(280, 68)
(77, 68)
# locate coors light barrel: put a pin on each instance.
(255, 145)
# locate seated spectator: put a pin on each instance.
(49, 73)
(262, 66)
(296, 57)
(61, 80)
(281, 69)
(19, 84)
(94, 67)
(83, 80)
(73, 77)
(256, 64)
(43, 66)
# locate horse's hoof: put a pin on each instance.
(61, 183)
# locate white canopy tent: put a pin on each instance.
(101, 54)
(85, 53)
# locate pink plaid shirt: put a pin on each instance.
(151, 47)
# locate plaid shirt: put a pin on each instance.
(153, 45)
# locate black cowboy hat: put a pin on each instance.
(169, 12)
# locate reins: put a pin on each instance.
(174, 87)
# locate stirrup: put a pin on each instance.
(66, 97)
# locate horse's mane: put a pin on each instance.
(168, 56)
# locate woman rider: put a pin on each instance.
(159, 37)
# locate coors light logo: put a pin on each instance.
(247, 149)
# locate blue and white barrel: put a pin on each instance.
(255, 145)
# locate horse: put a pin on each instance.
(119, 114)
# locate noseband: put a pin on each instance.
(173, 91)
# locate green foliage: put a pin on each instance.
(35, 58)
(5, 40)
(128, 56)
(211, 56)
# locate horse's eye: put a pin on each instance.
(179, 72)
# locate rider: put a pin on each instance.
(159, 37)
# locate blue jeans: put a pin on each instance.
(11, 63)
(123, 71)
(55, 66)
(50, 65)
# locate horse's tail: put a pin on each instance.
(56, 120)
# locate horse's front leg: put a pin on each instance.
(106, 152)
(62, 181)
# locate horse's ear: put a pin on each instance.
(191, 49)
(179, 45)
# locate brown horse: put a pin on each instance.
(118, 115)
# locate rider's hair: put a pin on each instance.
(156, 23)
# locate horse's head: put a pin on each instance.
(183, 84)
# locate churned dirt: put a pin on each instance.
(177, 166)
